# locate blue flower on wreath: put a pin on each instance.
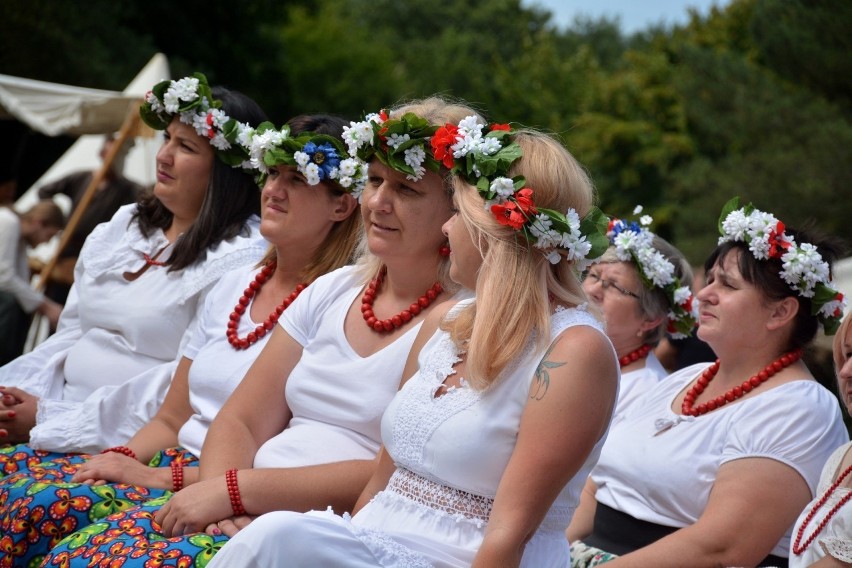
(318, 162)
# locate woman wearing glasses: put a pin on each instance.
(641, 285)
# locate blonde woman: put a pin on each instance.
(488, 443)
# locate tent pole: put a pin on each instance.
(131, 122)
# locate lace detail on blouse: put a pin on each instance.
(449, 500)
(838, 548)
(387, 551)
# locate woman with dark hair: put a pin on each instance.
(139, 282)
(712, 466)
(311, 229)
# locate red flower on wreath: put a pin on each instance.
(514, 213)
(777, 244)
(505, 127)
(441, 141)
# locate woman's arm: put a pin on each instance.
(159, 434)
(256, 411)
(583, 521)
(572, 397)
(752, 504)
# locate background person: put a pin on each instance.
(715, 463)
(18, 299)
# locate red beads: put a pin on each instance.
(798, 546)
(403, 317)
(747, 386)
(633, 356)
(177, 475)
(243, 303)
(234, 493)
(121, 450)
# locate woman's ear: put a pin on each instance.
(783, 311)
(344, 206)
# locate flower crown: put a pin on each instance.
(802, 267)
(399, 143)
(316, 156)
(633, 242)
(192, 100)
(482, 155)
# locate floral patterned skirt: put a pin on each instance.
(39, 506)
(132, 539)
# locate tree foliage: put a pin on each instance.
(750, 99)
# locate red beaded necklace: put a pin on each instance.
(798, 547)
(403, 317)
(635, 355)
(245, 300)
(687, 409)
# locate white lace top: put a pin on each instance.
(451, 452)
(835, 539)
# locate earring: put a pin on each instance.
(444, 250)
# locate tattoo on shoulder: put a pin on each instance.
(542, 375)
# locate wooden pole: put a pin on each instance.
(130, 126)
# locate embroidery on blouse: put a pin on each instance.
(388, 551)
(840, 549)
(452, 502)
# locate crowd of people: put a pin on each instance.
(419, 344)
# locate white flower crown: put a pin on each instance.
(633, 242)
(802, 267)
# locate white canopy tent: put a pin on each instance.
(55, 109)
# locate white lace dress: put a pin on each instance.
(835, 539)
(450, 451)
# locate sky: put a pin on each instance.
(635, 15)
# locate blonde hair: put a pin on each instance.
(438, 111)
(516, 282)
(336, 249)
(839, 338)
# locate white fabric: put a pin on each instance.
(336, 396)
(217, 368)
(450, 453)
(104, 373)
(659, 466)
(14, 270)
(835, 539)
(634, 384)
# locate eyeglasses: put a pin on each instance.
(596, 279)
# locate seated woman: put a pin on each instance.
(477, 468)
(302, 427)
(641, 283)
(715, 463)
(138, 283)
(822, 536)
(311, 228)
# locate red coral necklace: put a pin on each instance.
(688, 410)
(798, 547)
(261, 330)
(403, 317)
(635, 355)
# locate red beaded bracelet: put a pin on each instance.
(234, 492)
(177, 475)
(121, 450)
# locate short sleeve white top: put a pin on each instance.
(635, 384)
(336, 396)
(659, 466)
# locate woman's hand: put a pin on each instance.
(18, 415)
(195, 508)
(113, 467)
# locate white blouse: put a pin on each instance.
(659, 466)
(104, 373)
